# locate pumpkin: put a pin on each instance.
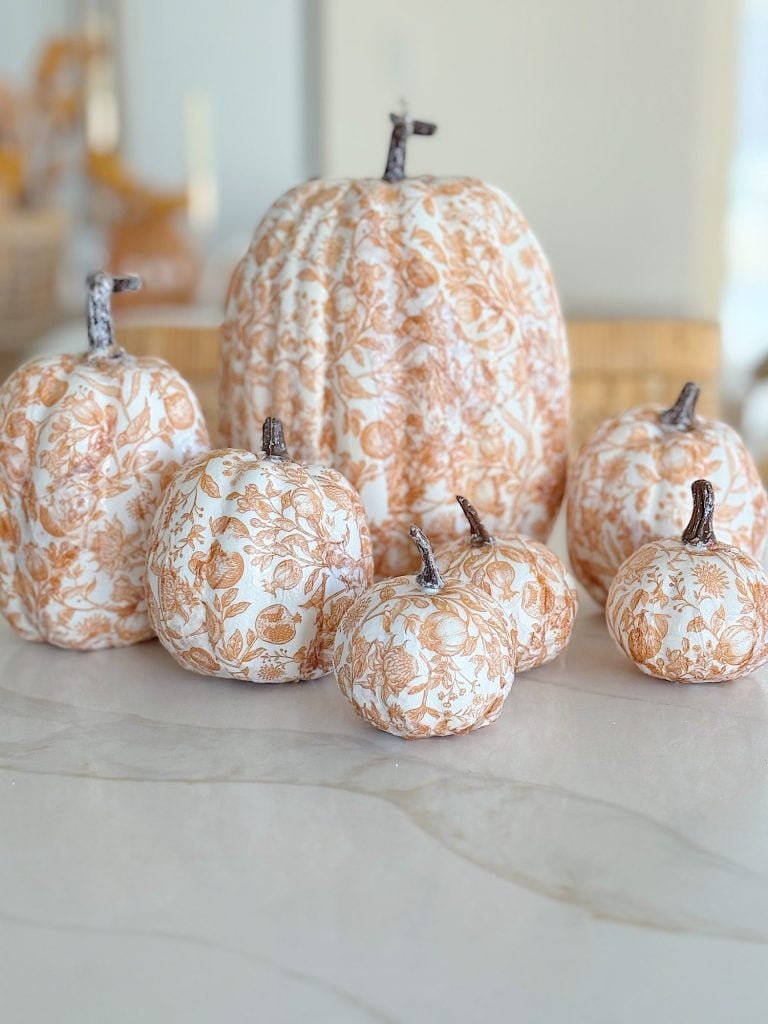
(692, 610)
(253, 560)
(87, 444)
(531, 584)
(629, 485)
(425, 655)
(409, 328)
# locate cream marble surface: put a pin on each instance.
(175, 848)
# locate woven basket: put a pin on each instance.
(617, 364)
(31, 244)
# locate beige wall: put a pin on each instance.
(608, 121)
(247, 59)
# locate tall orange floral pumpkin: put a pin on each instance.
(87, 445)
(410, 330)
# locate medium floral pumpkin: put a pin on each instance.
(253, 560)
(87, 444)
(693, 610)
(425, 655)
(531, 584)
(410, 330)
(629, 485)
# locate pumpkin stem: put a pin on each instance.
(403, 126)
(101, 335)
(682, 415)
(699, 530)
(480, 535)
(272, 440)
(429, 578)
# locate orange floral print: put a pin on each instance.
(411, 333)
(530, 583)
(694, 610)
(629, 485)
(85, 445)
(253, 560)
(421, 657)
(712, 579)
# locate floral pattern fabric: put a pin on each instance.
(252, 563)
(87, 445)
(530, 583)
(420, 664)
(411, 334)
(691, 613)
(631, 484)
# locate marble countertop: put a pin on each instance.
(177, 848)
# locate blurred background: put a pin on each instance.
(152, 135)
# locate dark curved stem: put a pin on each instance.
(429, 577)
(682, 415)
(272, 440)
(699, 530)
(402, 128)
(101, 335)
(480, 535)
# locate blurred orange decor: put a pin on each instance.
(37, 122)
(40, 135)
(147, 234)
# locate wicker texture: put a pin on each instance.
(31, 243)
(618, 364)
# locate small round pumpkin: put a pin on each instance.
(425, 655)
(629, 486)
(87, 445)
(692, 610)
(530, 583)
(253, 560)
